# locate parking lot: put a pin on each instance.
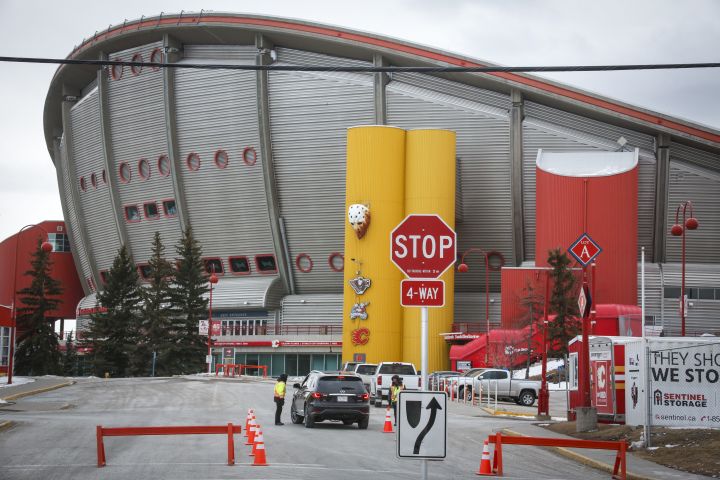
(53, 436)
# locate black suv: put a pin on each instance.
(330, 396)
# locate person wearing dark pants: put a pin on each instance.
(279, 397)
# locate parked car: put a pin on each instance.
(330, 396)
(522, 392)
(382, 379)
(366, 372)
(435, 379)
(349, 366)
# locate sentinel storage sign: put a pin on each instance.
(683, 386)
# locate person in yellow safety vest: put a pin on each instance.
(279, 397)
(395, 389)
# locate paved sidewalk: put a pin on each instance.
(637, 468)
(41, 384)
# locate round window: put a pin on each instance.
(116, 71)
(93, 180)
(156, 57)
(164, 165)
(124, 172)
(249, 156)
(304, 263)
(221, 159)
(336, 262)
(83, 187)
(193, 162)
(144, 169)
(496, 260)
(104, 176)
(136, 69)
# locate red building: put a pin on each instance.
(15, 257)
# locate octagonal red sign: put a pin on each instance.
(423, 246)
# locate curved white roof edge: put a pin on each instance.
(586, 164)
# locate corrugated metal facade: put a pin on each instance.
(470, 308)
(76, 243)
(309, 117)
(483, 143)
(701, 315)
(313, 309)
(137, 131)
(696, 156)
(246, 293)
(540, 133)
(217, 110)
(95, 200)
(702, 187)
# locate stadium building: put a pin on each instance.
(255, 162)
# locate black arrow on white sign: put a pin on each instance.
(433, 406)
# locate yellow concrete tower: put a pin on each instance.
(374, 205)
(430, 189)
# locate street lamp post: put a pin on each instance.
(46, 247)
(463, 268)
(678, 230)
(544, 394)
(213, 280)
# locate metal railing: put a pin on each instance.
(283, 330)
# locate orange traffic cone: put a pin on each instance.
(251, 432)
(260, 460)
(258, 439)
(247, 422)
(485, 468)
(388, 427)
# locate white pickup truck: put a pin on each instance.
(366, 371)
(382, 379)
(522, 392)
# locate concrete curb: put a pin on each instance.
(38, 390)
(583, 459)
(5, 425)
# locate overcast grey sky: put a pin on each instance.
(517, 32)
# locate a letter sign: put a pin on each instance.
(423, 246)
(584, 249)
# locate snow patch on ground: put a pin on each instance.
(16, 381)
(536, 369)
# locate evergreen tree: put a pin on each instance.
(38, 351)
(562, 303)
(191, 285)
(113, 332)
(70, 359)
(157, 317)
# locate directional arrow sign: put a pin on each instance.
(422, 425)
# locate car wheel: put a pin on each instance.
(309, 421)
(348, 422)
(469, 395)
(363, 423)
(296, 419)
(527, 398)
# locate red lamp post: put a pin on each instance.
(46, 247)
(544, 394)
(213, 280)
(679, 230)
(463, 268)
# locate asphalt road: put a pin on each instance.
(54, 438)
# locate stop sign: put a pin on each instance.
(423, 246)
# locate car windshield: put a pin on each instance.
(366, 369)
(341, 384)
(349, 366)
(397, 369)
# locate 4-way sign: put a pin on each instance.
(422, 293)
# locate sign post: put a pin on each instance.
(423, 247)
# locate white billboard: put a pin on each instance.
(683, 386)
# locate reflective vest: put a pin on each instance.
(395, 391)
(280, 390)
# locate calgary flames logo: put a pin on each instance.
(360, 336)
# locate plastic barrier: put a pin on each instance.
(619, 471)
(257, 367)
(228, 430)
